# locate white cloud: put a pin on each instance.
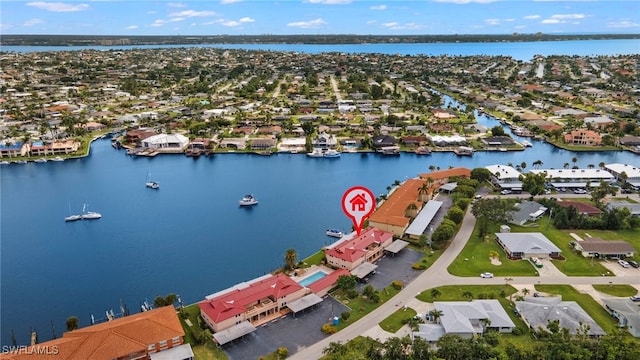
(550, 21)
(32, 22)
(330, 2)
(378, 7)
(132, 27)
(176, 19)
(159, 22)
(176, 5)
(247, 20)
(532, 17)
(58, 6)
(5, 26)
(465, 1)
(225, 2)
(398, 26)
(192, 13)
(623, 24)
(492, 21)
(509, 20)
(308, 24)
(568, 16)
(231, 23)
(370, 22)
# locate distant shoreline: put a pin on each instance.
(118, 40)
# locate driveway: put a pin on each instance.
(292, 332)
(615, 268)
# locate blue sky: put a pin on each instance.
(284, 17)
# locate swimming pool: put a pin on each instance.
(312, 278)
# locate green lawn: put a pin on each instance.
(569, 293)
(208, 350)
(361, 306)
(574, 263)
(314, 259)
(395, 321)
(616, 290)
(474, 259)
(499, 292)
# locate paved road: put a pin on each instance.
(437, 275)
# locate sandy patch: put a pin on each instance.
(495, 261)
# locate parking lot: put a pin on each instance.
(292, 332)
(392, 268)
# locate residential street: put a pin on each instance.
(437, 275)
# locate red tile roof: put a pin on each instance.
(237, 301)
(444, 174)
(393, 209)
(583, 208)
(355, 248)
(110, 340)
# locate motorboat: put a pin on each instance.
(423, 151)
(41, 160)
(317, 153)
(525, 143)
(57, 158)
(331, 154)
(334, 233)
(248, 200)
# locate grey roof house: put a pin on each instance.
(466, 318)
(526, 245)
(627, 312)
(527, 211)
(538, 312)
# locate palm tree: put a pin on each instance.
(72, 323)
(431, 168)
(411, 210)
(335, 348)
(574, 160)
(435, 315)
(494, 254)
(435, 293)
(566, 165)
(601, 165)
(290, 259)
(537, 164)
(423, 190)
(525, 291)
(467, 295)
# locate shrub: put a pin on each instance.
(375, 298)
(418, 266)
(283, 352)
(352, 293)
(345, 315)
(397, 284)
(329, 329)
(518, 330)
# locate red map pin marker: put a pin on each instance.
(358, 203)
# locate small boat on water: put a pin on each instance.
(4, 162)
(57, 158)
(317, 153)
(21, 161)
(73, 218)
(151, 184)
(248, 200)
(331, 154)
(334, 233)
(525, 143)
(423, 151)
(41, 160)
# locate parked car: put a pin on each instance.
(486, 275)
(633, 264)
(623, 263)
(579, 191)
(635, 298)
(505, 192)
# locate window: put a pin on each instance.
(152, 347)
(176, 339)
(163, 343)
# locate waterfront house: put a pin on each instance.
(55, 148)
(505, 177)
(381, 141)
(256, 302)
(166, 142)
(575, 178)
(325, 141)
(263, 143)
(353, 251)
(631, 172)
(149, 335)
(538, 312)
(583, 137)
(526, 245)
(444, 176)
(136, 136)
(599, 248)
(391, 215)
(9, 150)
(466, 319)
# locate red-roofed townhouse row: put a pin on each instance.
(368, 247)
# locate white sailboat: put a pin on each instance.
(151, 184)
(89, 215)
(72, 217)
